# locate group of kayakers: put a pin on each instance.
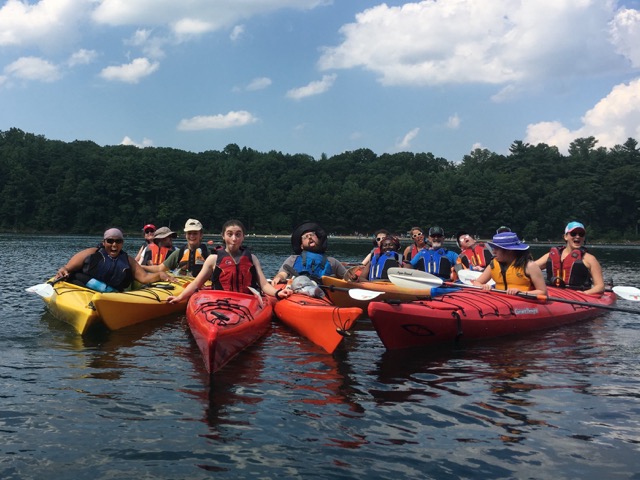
(505, 260)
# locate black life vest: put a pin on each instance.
(235, 277)
(570, 272)
(115, 272)
(191, 261)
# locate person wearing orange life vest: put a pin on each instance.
(161, 248)
(233, 268)
(473, 255)
(571, 265)
(188, 259)
(513, 268)
(148, 231)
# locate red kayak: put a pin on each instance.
(317, 319)
(224, 323)
(476, 314)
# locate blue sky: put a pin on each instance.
(321, 76)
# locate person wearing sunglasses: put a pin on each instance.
(148, 230)
(571, 265)
(473, 255)
(107, 267)
(309, 244)
(419, 242)
(377, 238)
(161, 247)
(389, 256)
(437, 259)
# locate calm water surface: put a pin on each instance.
(137, 403)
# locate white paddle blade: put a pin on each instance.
(257, 295)
(45, 290)
(414, 283)
(362, 294)
(628, 293)
(468, 276)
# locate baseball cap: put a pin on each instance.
(192, 225)
(436, 231)
(571, 226)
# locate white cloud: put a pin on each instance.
(313, 88)
(405, 143)
(44, 24)
(213, 14)
(453, 122)
(145, 142)
(259, 83)
(151, 45)
(82, 57)
(216, 122)
(33, 68)
(237, 33)
(192, 26)
(611, 121)
(625, 33)
(130, 72)
(471, 41)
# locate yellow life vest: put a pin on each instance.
(512, 278)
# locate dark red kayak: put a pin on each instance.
(476, 314)
(225, 323)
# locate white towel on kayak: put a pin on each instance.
(306, 286)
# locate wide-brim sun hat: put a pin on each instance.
(296, 236)
(507, 241)
(164, 232)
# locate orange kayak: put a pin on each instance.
(225, 323)
(318, 319)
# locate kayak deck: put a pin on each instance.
(467, 315)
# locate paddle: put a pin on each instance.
(628, 293)
(467, 276)
(45, 290)
(355, 293)
(405, 277)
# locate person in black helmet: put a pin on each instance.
(309, 244)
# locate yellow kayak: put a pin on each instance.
(72, 304)
(121, 309)
(83, 308)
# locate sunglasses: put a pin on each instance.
(149, 231)
(379, 239)
(111, 241)
(577, 234)
(416, 235)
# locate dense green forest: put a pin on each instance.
(52, 186)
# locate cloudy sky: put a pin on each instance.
(322, 76)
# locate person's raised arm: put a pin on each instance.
(75, 263)
(203, 276)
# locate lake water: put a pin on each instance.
(137, 403)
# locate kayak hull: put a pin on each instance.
(341, 297)
(472, 315)
(317, 319)
(72, 304)
(225, 323)
(122, 309)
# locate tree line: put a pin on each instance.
(51, 186)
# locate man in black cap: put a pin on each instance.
(309, 244)
(437, 259)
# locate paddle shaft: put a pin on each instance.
(545, 298)
(353, 292)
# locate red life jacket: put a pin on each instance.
(475, 256)
(234, 277)
(156, 254)
(570, 272)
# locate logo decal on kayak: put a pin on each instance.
(418, 330)
(526, 311)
